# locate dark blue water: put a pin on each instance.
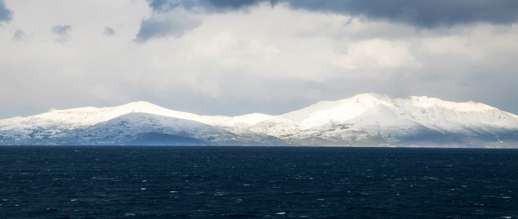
(243, 182)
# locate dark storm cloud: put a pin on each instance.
(425, 13)
(5, 13)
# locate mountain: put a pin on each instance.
(362, 120)
(133, 123)
(372, 119)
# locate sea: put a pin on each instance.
(256, 182)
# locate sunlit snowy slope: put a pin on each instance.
(362, 120)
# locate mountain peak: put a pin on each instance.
(141, 105)
(369, 99)
(369, 96)
(339, 110)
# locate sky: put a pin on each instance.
(232, 57)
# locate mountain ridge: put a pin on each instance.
(362, 120)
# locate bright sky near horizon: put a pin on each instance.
(239, 56)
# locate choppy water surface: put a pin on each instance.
(260, 182)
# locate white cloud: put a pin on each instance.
(266, 59)
(376, 55)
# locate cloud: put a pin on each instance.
(18, 35)
(423, 13)
(213, 5)
(263, 58)
(5, 13)
(108, 31)
(61, 29)
(175, 17)
(172, 23)
(62, 32)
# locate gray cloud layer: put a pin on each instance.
(420, 13)
(425, 13)
(5, 13)
(218, 5)
(258, 59)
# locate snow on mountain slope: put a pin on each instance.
(133, 127)
(361, 119)
(451, 116)
(427, 111)
(335, 111)
(87, 116)
(377, 116)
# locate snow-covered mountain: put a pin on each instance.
(362, 120)
(372, 119)
(132, 123)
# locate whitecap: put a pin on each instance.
(129, 214)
